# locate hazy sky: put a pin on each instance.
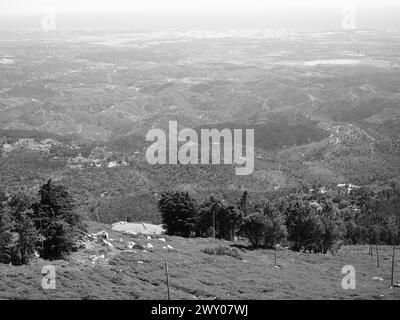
(174, 6)
(201, 14)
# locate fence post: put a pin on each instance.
(377, 255)
(275, 256)
(392, 277)
(167, 275)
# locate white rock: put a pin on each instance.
(101, 234)
(131, 244)
(132, 233)
(109, 244)
(149, 246)
(377, 279)
(162, 239)
(170, 247)
(148, 238)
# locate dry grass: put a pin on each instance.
(197, 275)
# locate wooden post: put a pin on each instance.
(275, 256)
(215, 232)
(167, 275)
(392, 278)
(377, 255)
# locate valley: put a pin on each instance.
(76, 108)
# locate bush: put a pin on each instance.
(223, 251)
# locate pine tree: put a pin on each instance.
(5, 231)
(178, 211)
(243, 204)
(22, 226)
(57, 221)
(28, 237)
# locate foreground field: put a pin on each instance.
(104, 273)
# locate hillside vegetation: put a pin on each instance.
(198, 275)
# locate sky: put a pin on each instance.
(174, 6)
(201, 14)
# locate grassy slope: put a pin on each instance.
(196, 275)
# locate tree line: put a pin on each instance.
(314, 224)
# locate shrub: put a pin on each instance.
(223, 251)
